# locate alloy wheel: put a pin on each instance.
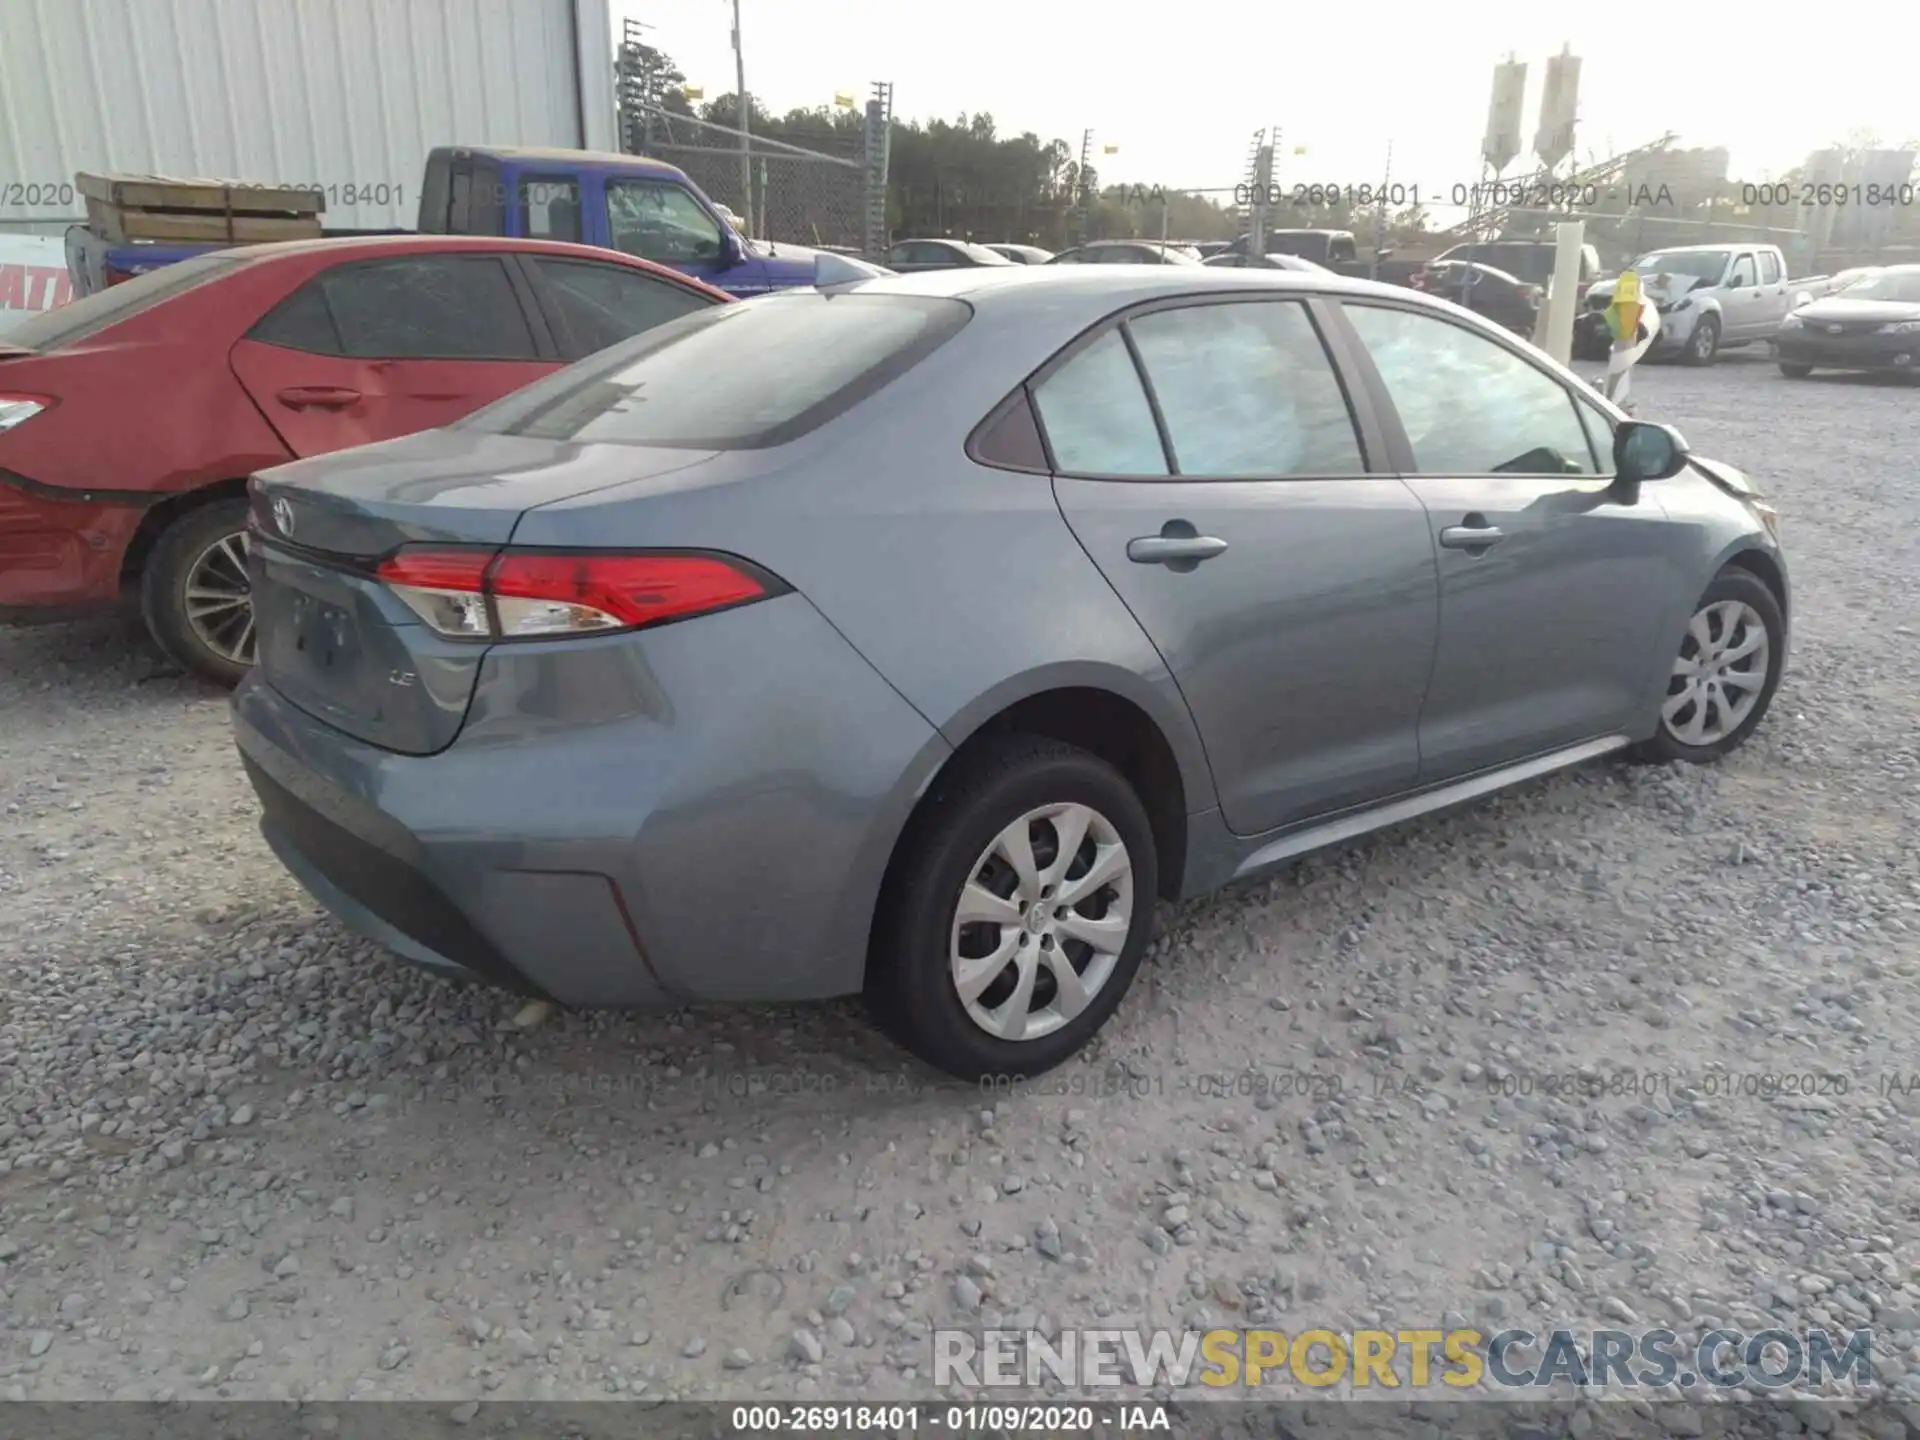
(1040, 923)
(219, 599)
(1719, 675)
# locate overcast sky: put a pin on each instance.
(1180, 89)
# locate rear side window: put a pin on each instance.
(423, 307)
(550, 208)
(1097, 418)
(743, 376)
(601, 305)
(88, 316)
(1247, 390)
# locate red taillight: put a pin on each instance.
(514, 594)
(16, 409)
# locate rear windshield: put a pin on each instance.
(88, 316)
(761, 372)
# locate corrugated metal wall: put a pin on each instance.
(345, 94)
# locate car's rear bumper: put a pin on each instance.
(61, 550)
(704, 811)
(1850, 352)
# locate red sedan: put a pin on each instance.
(131, 419)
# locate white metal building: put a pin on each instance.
(346, 95)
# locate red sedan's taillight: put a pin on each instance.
(18, 409)
(521, 594)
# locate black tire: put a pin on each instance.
(1703, 345)
(908, 986)
(163, 589)
(1795, 372)
(1732, 583)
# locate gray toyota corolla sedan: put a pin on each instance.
(913, 636)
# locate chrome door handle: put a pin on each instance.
(1471, 537)
(1161, 549)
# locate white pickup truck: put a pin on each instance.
(1710, 298)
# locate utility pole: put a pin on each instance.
(746, 125)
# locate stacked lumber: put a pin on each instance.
(121, 208)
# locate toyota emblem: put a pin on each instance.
(283, 515)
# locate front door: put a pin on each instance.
(1290, 592)
(661, 221)
(370, 350)
(1551, 590)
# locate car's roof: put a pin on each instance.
(561, 155)
(1683, 249)
(370, 247)
(1103, 289)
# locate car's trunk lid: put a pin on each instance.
(333, 638)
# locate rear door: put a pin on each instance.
(370, 349)
(1774, 299)
(1551, 590)
(1742, 310)
(592, 304)
(1227, 500)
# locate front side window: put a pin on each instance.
(1096, 415)
(660, 221)
(1247, 390)
(1743, 273)
(1469, 405)
(601, 305)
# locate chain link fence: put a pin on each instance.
(801, 195)
(817, 178)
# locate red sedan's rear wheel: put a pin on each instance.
(195, 595)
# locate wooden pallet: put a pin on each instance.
(121, 208)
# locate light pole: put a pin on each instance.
(746, 125)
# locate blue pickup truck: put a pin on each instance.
(620, 202)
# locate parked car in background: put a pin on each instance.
(1504, 299)
(538, 693)
(1229, 261)
(1806, 291)
(1125, 252)
(1323, 247)
(909, 255)
(1873, 324)
(131, 419)
(1530, 261)
(1710, 298)
(643, 208)
(1022, 254)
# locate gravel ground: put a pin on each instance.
(247, 1156)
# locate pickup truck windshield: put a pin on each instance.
(758, 373)
(1708, 265)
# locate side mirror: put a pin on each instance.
(1644, 451)
(732, 250)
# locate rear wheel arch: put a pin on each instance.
(158, 517)
(1117, 730)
